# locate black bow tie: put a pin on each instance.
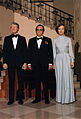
(39, 38)
(14, 35)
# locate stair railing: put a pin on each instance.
(41, 12)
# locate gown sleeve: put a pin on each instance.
(54, 51)
(71, 51)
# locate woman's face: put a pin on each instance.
(61, 30)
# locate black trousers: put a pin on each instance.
(40, 74)
(52, 83)
(11, 74)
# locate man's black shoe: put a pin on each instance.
(10, 102)
(35, 101)
(47, 101)
(20, 102)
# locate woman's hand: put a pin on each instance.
(72, 64)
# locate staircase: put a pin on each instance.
(41, 12)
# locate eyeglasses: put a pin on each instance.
(39, 29)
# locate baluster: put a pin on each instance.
(49, 14)
(45, 15)
(34, 9)
(54, 17)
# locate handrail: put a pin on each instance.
(57, 9)
(42, 12)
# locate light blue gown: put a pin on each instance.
(63, 56)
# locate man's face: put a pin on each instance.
(39, 31)
(14, 28)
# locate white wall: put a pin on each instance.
(65, 5)
(6, 17)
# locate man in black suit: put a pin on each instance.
(14, 59)
(40, 61)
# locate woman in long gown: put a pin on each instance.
(63, 64)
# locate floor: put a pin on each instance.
(40, 110)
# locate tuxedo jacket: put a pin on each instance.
(13, 56)
(42, 56)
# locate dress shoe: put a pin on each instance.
(10, 102)
(47, 101)
(35, 101)
(20, 102)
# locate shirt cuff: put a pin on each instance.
(50, 64)
(72, 60)
(29, 64)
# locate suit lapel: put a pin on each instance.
(11, 42)
(18, 41)
(35, 42)
(42, 44)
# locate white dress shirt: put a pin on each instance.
(15, 39)
(39, 41)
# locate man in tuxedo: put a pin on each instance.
(40, 61)
(14, 59)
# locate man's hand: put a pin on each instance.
(53, 66)
(29, 67)
(5, 66)
(50, 67)
(24, 66)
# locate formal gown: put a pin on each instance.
(63, 56)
